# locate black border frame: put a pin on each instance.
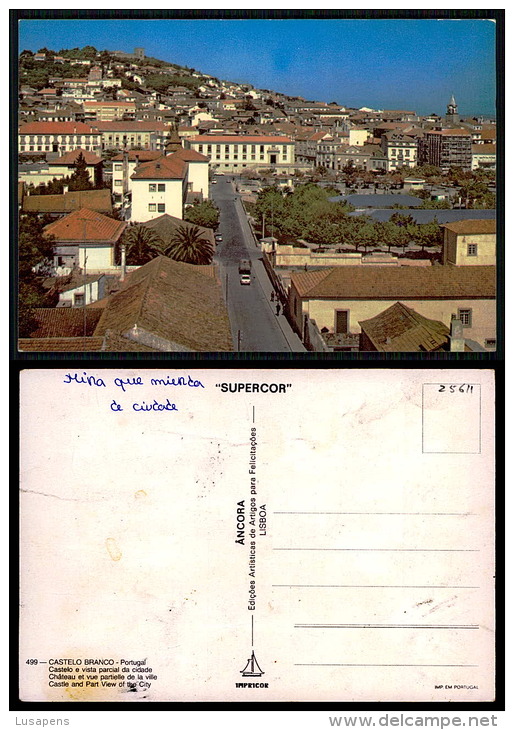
(317, 361)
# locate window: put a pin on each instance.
(151, 207)
(118, 167)
(200, 148)
(152, 187)
(472, 249)
(465, 317)
(117, 183)
(490, 344)
(161, 187)
(78, 299)
(161, 208)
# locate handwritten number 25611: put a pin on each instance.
(464, 388)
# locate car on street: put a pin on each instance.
(245, 279)
(214, 182)
(218, 237)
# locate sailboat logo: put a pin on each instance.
(252, 668)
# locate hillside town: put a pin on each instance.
(165, 210)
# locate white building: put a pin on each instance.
(233, 153)
(158, 187)
(161, 186)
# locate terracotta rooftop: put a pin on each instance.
(65, 321)
(141, 126)
(189, 155)
(70, 158)
(402, 282)
(57, 128)
(240, 138)
(458, 132)
(85, 224)
(483, 149)
(60, 344)
(402, 329)
(95, 200)
(128, 104)
(472, 225)
(163, 168)
(176, 304)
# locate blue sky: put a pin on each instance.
(388, 64)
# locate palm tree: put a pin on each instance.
(142, 245)
(189, 244)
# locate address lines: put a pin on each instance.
(376, 626)
(410, 514)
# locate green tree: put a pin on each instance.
(79, 179)
(204, 214)
(34, 248)
(142, 244)
(189, 244)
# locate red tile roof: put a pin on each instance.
(402, 329)
(240, 138)
(85, 224)
(189, 155)
(98, 200)
(128, 104)
(61, 344)
(70, 158)
(65, 322)
(164, 168)
(450, 132)
(178, 305)
(472, 225)
(402, 282)
(141, 126)
(483, 149)
(57, 128)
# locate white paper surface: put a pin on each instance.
(317, 535)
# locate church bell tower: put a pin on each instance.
(452, 111)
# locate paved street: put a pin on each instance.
(254, 322)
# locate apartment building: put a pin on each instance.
(446, 148)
